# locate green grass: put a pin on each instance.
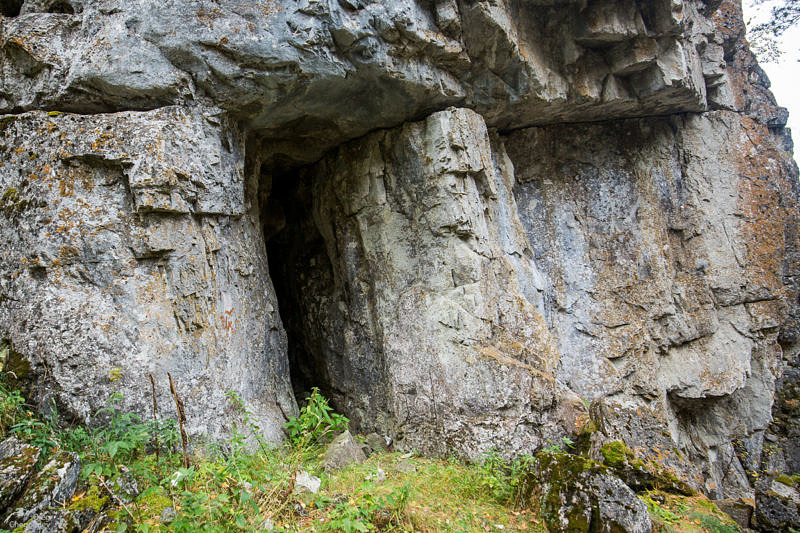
(693, 514)
(246, 484)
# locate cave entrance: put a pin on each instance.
(299, 267)
(10, 8)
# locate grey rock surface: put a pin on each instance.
(129, 250)
(342, 451)
(423, 318)
(17, 462)
(442, 213)
(51, 521)
(286, 67)
(306, 483)
(739, 509)
(637, 231)
(575, 494)
(377, 443)
(52, 486)
(777, 504)
(168, 515)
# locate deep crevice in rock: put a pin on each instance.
(10, 8)
(61, 7)
(297, 261)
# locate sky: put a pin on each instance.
(784, 74)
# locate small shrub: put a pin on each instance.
(559, 447)
(504, 480)
(11, 409)
(316, 422)
(108, 448)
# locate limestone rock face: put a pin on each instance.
(473, 224)
(421, 315)
(129, 250)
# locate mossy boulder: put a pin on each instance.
(17, 462)
(575, 495)
(52, 486)
(51, 521)
(777, 503)
(641, 475)
(15, 367)
(87, 509)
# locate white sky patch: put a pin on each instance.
(785, 74)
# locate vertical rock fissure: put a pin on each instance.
(295, 252)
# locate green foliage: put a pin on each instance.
(367, 511)
(11, 409)
(503, 479)
(665, 515)
(674, 513)
(37, 432)
(247, 483)
(713, 524)
(764, 37)
(316, 422)
(559, 447)
(109, 448)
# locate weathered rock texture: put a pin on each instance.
(465, 220)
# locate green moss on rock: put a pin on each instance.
(93, 500)
(641, 475)
(615, 454)
(15, 367)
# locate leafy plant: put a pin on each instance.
(665, 515)
(503, 479)
(110, 447)
(316, 422)
(559, 447)
(368, 512)
(764, 37)
(37, 432)
(11, 408)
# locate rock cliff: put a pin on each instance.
(473, 223)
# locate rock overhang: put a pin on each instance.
(317, 73)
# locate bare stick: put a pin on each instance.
(155, 414)
(181, 420)
(115, 497)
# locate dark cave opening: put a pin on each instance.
(10, 8)
(61, 7)
(298, 263)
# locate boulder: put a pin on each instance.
(777, 503)
(342, 451)
(17, 461)
(638, 474)
(51, 521)
(739, 509)
(577, 495)
(52, 486)
(306, 483)
(377, 443)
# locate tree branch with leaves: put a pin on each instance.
(764, 36)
